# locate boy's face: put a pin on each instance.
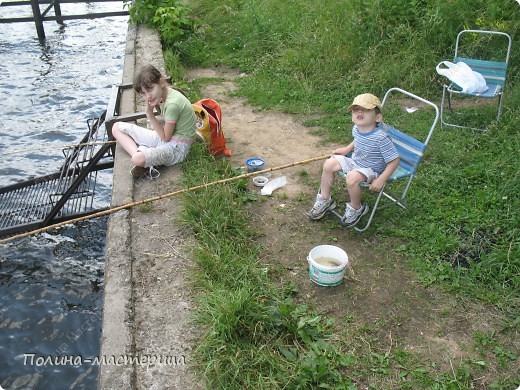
(363, 117)
(153, 96)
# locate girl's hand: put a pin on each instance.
(149, 110)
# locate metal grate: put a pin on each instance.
(64, 195)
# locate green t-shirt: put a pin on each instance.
(178, 109)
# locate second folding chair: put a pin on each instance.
(486, 52)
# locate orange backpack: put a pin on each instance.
(209, 126)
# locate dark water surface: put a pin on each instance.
(51, 284)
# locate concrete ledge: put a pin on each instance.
(117, 340)
(146, 338)
(117, 336)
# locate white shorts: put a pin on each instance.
(347, 165)
(156, 151)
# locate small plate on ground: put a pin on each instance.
(260, 181)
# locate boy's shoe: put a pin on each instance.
(352, 216)
(150, 172)
(320, 208)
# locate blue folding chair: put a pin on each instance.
(411, 151)
(492, 63)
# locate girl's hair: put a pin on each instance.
(146, 78)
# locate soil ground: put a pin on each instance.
(382, 292)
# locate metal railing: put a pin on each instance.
(40, 16)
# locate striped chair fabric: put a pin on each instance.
(493, 72)
(410, 152)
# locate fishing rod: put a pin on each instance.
(164, 196)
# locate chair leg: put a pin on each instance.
(499, 107)
(443, 103)
(394, 200)
(372, 213)
(446, 96)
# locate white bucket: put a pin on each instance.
(327, 265)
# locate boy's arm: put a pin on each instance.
(378, 183)
(344, 150)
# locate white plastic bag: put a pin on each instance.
(462, 75)
(273, 185)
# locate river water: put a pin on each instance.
(51, 284)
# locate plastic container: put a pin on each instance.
(327, 265)
(254, 164)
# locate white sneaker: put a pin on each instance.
(138, 171)
(153, 173)
(352, 215)
(320, 208)
(150, 172)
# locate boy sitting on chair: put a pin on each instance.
(374, 158)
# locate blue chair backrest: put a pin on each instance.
(494, 72)
(410, 150)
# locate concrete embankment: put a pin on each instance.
(146, 337)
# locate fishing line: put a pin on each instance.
(164, 196)
(19, 151)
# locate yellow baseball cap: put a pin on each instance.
(366, 100)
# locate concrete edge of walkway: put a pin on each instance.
(117, 338)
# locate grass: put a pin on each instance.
(301, 59)
(255, 335)
(312, 58)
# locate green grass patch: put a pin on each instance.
(255, 336)
(463, 231)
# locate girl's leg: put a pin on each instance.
(129, 145)
(354, 178)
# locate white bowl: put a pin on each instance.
(260, 181)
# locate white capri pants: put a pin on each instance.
(156, 151)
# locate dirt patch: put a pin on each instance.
(382, 294)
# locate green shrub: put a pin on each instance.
(169, 17)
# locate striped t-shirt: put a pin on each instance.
(373, 150)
